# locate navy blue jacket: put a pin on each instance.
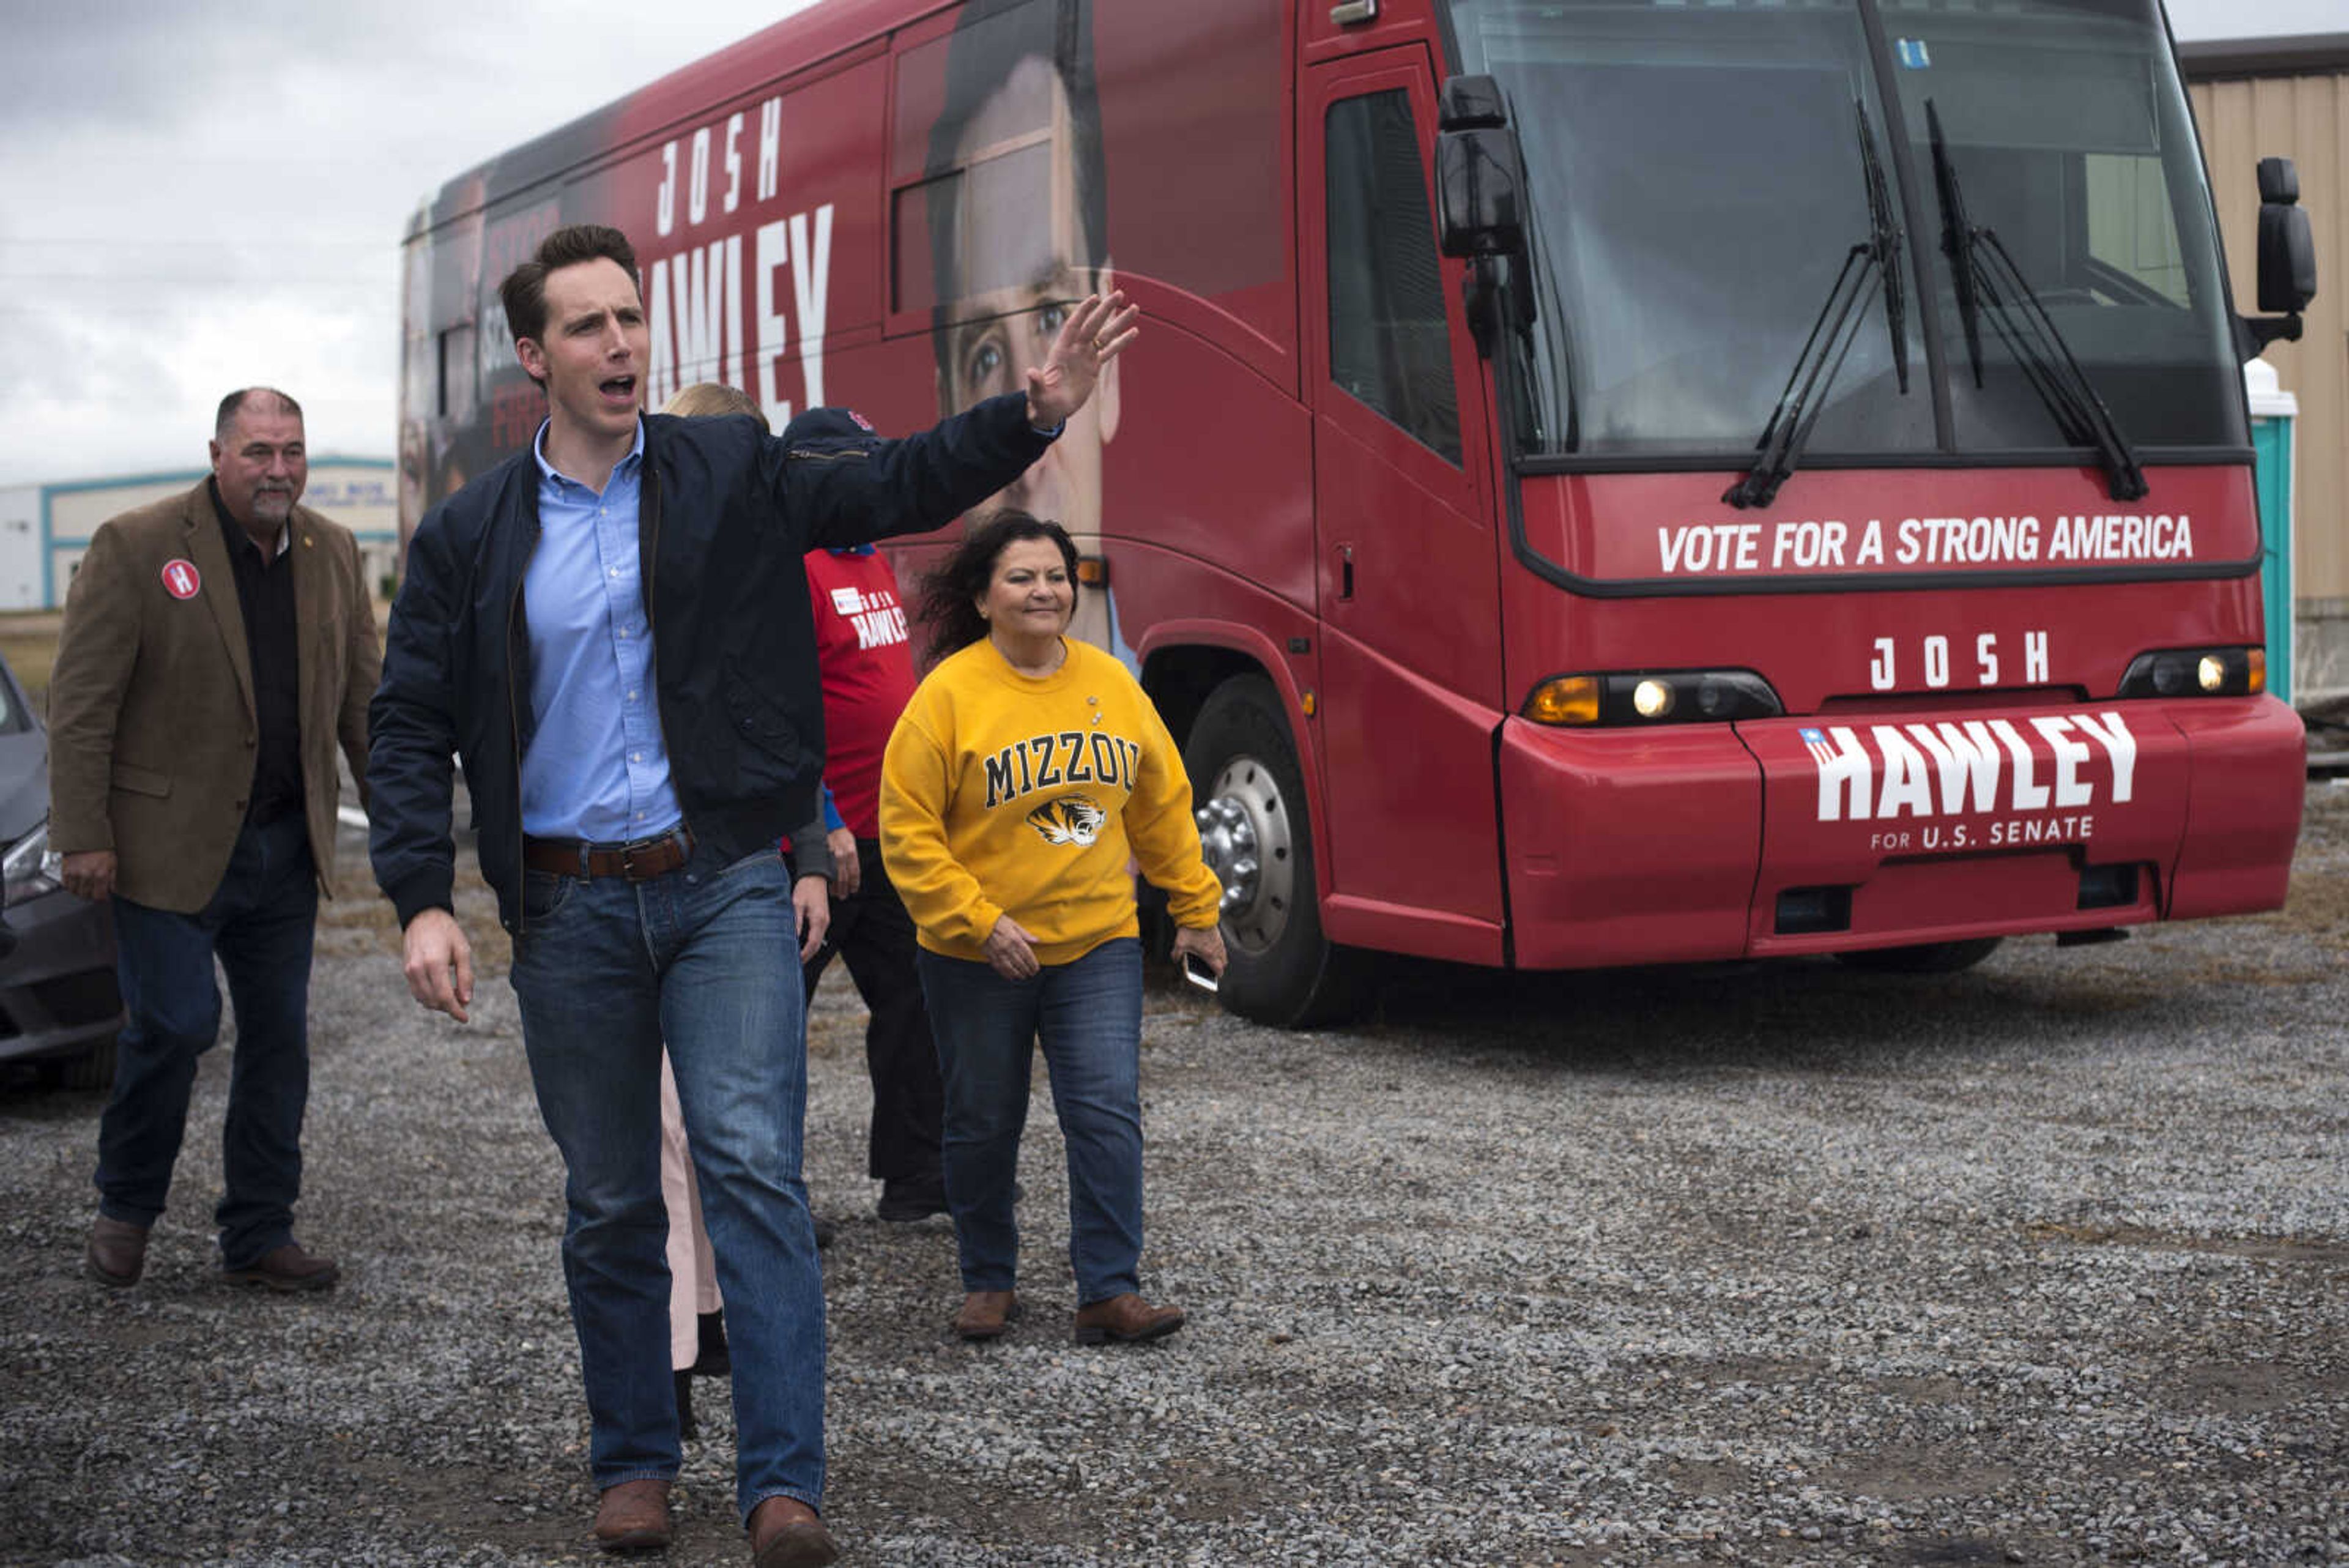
(728, 512)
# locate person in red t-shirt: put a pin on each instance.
(868, 673)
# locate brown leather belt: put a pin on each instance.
(638, 862)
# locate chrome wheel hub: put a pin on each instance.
(1245, 833)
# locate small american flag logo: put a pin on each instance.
(1822, 750)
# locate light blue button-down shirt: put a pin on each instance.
(597, 767)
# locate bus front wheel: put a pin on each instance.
(1257, 839)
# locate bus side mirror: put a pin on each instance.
(1480, 175)
(2287, 261)
(2287, 247)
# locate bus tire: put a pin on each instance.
(1250, 796)
(1925, 958)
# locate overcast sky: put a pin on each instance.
(205, 194)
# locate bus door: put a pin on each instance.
(1408, 570)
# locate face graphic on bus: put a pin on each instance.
(1023, 262)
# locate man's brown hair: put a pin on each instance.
(525, 289)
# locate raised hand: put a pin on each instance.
(1095, 332)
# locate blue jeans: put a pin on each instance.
(262, 921)
(604, 971)
(871, 931)
(1087, 1013)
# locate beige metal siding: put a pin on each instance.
(2304, 118)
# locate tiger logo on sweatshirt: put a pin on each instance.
(1071, 819)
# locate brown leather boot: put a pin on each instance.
(986, 1314)
(633, 1516)
(1127, 1319)
(287, 1268)
(117, 1253)
(786, 1533)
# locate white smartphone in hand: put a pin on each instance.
(1195, 970)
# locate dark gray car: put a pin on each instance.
(59, 1004)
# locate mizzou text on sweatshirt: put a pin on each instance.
(1002, 793)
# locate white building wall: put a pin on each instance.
(358, 492)
(20, 547)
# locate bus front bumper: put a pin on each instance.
(1690, 843)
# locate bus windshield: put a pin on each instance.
(1699, 177)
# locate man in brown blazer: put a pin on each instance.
(218, 647)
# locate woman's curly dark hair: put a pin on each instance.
(950, 595)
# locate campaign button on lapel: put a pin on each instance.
(182, 580)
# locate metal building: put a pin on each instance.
(2289, 97)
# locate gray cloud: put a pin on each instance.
(138, 63)
(204, 194)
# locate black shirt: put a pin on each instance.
(264, 588)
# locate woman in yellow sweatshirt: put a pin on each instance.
(1026, 777)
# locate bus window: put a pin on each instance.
(1697, 178)
(1388, 343)
(2130, 227)
(2066, 131)
(455, 391)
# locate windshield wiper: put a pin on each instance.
(1870, 267)
(1884, 238)
(1985, 274)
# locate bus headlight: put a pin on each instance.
(2197, 671)
(1652, 696)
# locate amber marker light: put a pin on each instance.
(1564, 699)
(2257, 660)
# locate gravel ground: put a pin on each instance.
(1776, 1265)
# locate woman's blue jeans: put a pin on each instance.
(606, 969)
(1088, 1014)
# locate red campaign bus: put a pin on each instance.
(1603, 481)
